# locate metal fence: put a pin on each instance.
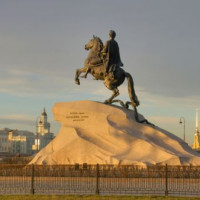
(99, 179)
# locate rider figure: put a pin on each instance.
(111, 53)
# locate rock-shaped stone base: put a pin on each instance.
(94, 132)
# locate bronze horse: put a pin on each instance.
(95, 65)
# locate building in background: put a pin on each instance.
(196, 144)
(43, 126)
(4, 140)
(16, 142)
(43, 135)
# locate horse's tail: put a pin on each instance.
(134, 100)
(131, 91)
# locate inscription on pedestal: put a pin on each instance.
(77, 116)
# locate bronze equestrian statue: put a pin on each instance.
(104, 63)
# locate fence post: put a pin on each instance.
(166, 180)
(97, 179)
(32, 179)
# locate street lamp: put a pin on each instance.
(37, 138)
(182, 121)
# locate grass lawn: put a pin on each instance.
(90, 197)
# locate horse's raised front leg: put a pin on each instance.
(78, 72)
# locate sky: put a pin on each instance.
(42, 45)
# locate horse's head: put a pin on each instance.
(95, 43)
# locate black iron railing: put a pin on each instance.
(99, 179)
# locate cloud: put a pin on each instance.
(17, 119)
(164, 100)
(163, 119)
(148, 98)
(23, 83)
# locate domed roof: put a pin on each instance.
(44, 112)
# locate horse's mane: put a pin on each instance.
(100, 47)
